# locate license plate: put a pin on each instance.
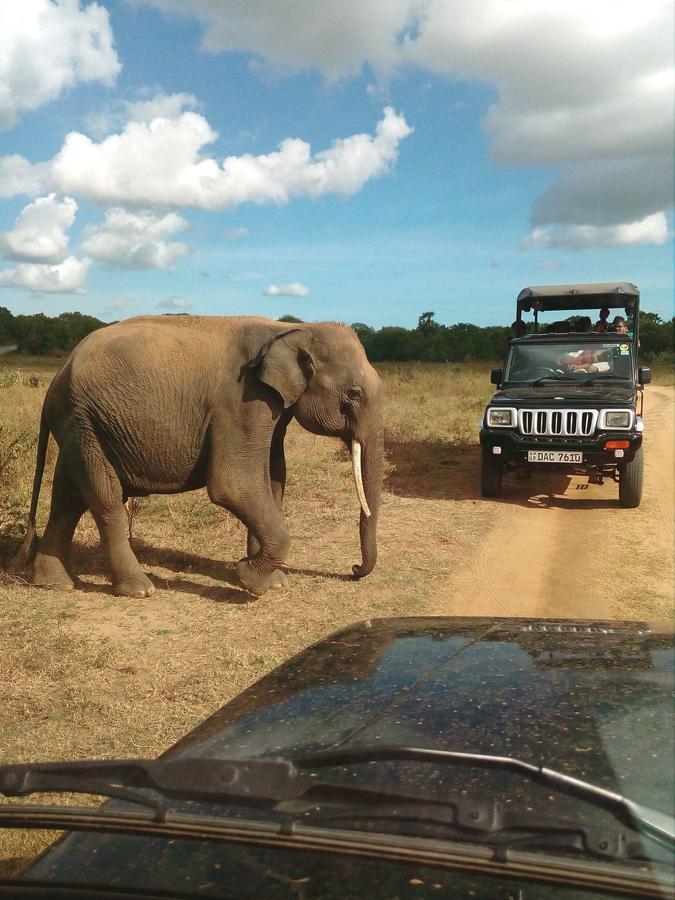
(555, 456)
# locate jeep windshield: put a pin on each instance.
(573, 359)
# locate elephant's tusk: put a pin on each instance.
(358, 477)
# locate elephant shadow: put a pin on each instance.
(433, 470)
(182, 562)
(89, 560)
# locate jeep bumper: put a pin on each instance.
(515, 447)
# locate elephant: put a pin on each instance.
(166, 404)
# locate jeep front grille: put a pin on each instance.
(554, 422)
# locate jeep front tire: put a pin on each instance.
(630, 481)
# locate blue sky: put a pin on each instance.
(361, 162)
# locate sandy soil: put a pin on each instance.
(562, 547)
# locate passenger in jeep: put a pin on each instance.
(581, 361)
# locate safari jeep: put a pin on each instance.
(570, 393)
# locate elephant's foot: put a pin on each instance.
(137, 585)
(255, 582)
(278, 579)
(49, 572)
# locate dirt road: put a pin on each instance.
(561, 547)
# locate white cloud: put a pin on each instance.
(338, 38)
(48, 47)
(161, 106)
(113, 117)
(175, 303)
(131, 240)
(39, 233)
(39, 242)
(67, 277)
(573, 76)
(650, 230)
(117, 304)
(161, 162)
(294, 289)
(18, 176)
(235, 234)
(583, 84)
(606, 192)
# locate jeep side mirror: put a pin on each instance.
(496, 376)
(644, 375)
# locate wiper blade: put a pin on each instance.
(255, 782)
(604, 376)
(270, 782)
(656, 824)
(561, 377)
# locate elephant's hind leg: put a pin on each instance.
(128, 579)
(52, 566)
(104, 496)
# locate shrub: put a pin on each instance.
(10, 377)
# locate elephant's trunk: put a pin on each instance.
(371, 453)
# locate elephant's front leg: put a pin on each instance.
(278, 484)
(261, 571)
(239, 480)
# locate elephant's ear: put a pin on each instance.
(286, 364)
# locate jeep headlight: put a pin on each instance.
(617, 418)
(501, 418)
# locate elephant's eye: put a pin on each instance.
(351, 397)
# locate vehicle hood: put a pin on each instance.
(591, 699)
(601, 393)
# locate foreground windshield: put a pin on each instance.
(528, 362)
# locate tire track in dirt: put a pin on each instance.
(560, 547)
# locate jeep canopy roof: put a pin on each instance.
(573, 297)
(614, 295)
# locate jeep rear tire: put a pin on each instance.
(491, 470)
(630, 481)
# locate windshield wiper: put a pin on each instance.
(561, 377)
(270, 782)
(603, 376)
(653, 822)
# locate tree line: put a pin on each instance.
(40, 335)
(429, 341)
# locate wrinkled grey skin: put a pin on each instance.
(161, 405)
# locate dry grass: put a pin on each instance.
(663, 373)
(89, 675)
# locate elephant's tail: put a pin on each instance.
(26, 551)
